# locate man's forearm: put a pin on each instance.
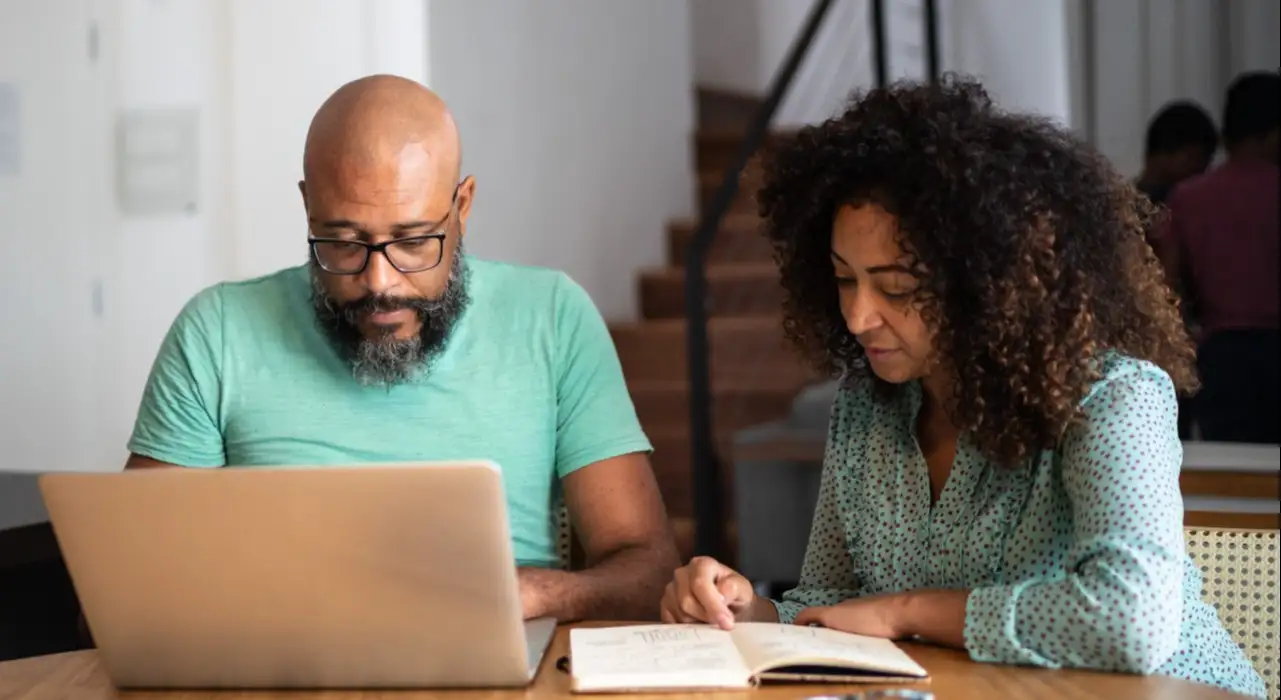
(625, 585)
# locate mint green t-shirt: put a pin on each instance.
(529, 379)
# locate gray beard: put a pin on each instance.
(386, 360)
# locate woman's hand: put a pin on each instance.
(875, 616)
(937, 616)
(705, 590)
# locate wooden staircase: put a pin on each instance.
(755, 375)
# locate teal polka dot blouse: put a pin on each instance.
(1075, 561)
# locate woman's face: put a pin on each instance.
(875, 288)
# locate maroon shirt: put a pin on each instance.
(1223, 226)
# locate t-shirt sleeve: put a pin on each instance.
(177, 420)
(595, 418)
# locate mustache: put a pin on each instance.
(353, 311)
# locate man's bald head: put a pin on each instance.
(373, 127)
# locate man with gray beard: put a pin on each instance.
(392, 345)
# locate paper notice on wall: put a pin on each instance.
(157, 161)
(10, 150)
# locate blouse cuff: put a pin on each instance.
(787, 610)
(991, 634)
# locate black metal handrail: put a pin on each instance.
(880, 61)
(709, 516)
(931, 40)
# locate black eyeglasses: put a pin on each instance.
(344, 256)
(341, 256)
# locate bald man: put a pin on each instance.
(392, 345)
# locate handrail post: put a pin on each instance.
(932, 41)
(708, 493)
(880, 63)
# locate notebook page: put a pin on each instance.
(770, 644)
(655, 656)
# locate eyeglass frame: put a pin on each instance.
(371, 248)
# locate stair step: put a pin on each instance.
(683, 533)
(671, 462)
(724, 109)
(738, 289)
(716, 147)
(669, 433)
(747, 351)
(739, 240)
(744, 202)
(665, 405)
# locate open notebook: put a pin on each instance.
(697, 657)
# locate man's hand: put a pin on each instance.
(706, 590)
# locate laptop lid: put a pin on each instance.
(370, 576)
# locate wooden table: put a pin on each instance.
(77, 676)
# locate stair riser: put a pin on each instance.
(729, 246)
(669, 411)
(671, 469)
(713, 155)
(714, 152)
(683, 533)
(671, 460)
(744, 201)
(720, 110)
(745, 359)
(665, 297)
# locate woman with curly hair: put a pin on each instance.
(1002, 464)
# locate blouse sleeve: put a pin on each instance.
(1117, 604)
(827, 573)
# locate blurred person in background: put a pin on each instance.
(1219, 245)
(1181, 142)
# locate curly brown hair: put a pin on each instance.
(1032, 249)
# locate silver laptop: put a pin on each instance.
(394, 576)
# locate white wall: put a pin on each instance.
(1019, 48)
(1255, 40)
(283, 58)
(52, 216)
(729, 43)
(576, 120)
(739, 46)
(839, 60)
(1148, 53)
(1032, 55)
(162, 55)
(255, 72)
